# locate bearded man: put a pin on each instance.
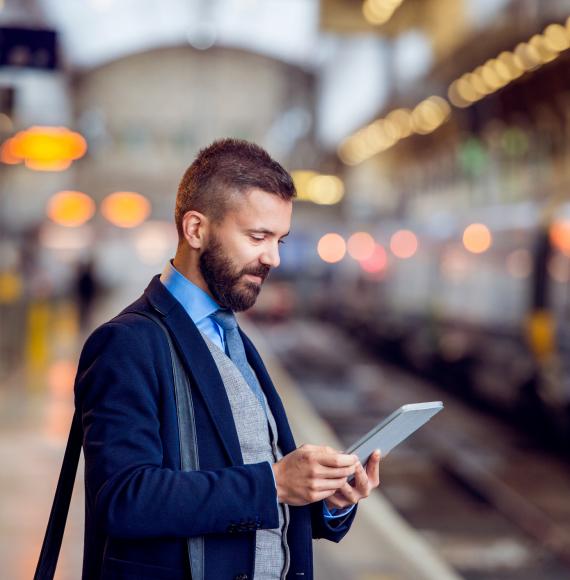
(255, 501)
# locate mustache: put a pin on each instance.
(262, 272)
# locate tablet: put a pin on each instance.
(394, 429)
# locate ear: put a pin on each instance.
(195, 227)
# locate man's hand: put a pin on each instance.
(312, 473)
(364, 482)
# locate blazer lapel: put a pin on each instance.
(286, 440)
(199, 364)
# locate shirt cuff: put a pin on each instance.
(336, 513)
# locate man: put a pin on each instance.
(256, 500)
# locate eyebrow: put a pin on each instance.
(266, 231)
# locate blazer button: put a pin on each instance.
(241, 577)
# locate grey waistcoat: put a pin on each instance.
(257, 434)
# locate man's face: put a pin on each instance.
(243, 248)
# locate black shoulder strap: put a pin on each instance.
(60, 507)
(187, 439)
(51, 546)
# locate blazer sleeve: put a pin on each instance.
(118, 392)
(330, 529)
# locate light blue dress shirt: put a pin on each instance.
(200, 305)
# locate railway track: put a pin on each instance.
(495, 506)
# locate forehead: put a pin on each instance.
(258, 209)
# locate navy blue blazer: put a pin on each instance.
(140, 506)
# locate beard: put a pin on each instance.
(225, 281)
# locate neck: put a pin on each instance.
(186, 262)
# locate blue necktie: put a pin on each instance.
(236, 351)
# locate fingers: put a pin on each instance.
(373, 469)
(330, 485)
(331, 458)
(334, 472)
(360, 487)
(337, 501)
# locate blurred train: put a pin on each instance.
(492, 327)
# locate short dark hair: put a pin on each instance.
(223, 169)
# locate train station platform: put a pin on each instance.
(35, 414)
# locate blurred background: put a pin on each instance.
(429, 141)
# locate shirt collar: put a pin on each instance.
(197, 303)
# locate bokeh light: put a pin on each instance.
(377, 262)
(331, 248)
(47, 148)
(477, 238)
(325, 189)
(361, 245)
(560, 236)
(404, 244)
(70, 208)
(301, 179)
(126, 209)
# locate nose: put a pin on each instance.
(270, 256)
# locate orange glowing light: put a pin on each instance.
(6, 154)
(70, 208)
(404, 244)
(331, 248)
(361, 245)
(48, 148)
(126, 209)
(47, 165)
(477, 238)
(376, 262)
(560, 236)
(60, 378)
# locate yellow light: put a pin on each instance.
(477, 238)
(430, 114)
(478, 83)
(544, 53)
(466, 90)
(378, 12)
(556, 38)
(402, 118)
(331, 248)
(301, 179)
(48, 148)
(527, 55)
(455, 97)
(502, 70)
(490, 76)
(361, 245)
(513, 64)
(325, 189)
(404, 244)
(125, 209)
(70, 208)
(347, 153)
(375, 137)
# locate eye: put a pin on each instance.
(281, 241)
(257, 238)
